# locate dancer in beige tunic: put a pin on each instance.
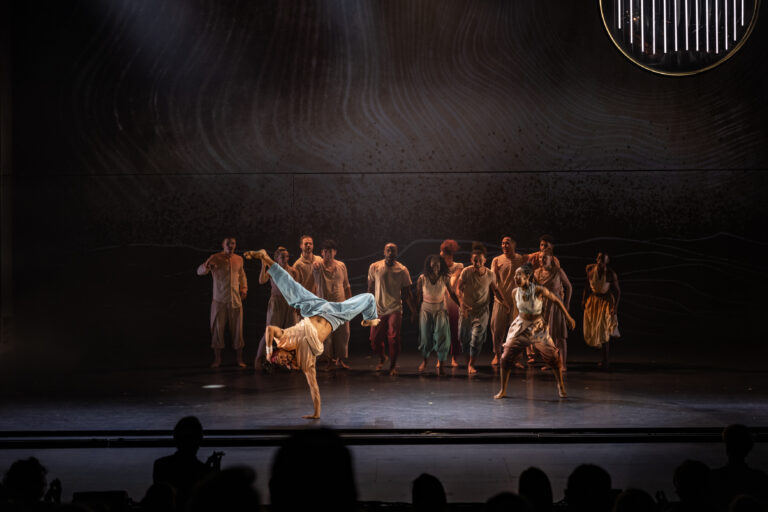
(529, 329)
(600, 303)
(504, 267)
(279, 313)
(230, 287)
(305, 264)
(332, 284)
(553, 278)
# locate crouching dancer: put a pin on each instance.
(302, 343)
(529, 329)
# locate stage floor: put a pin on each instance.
(633, 395)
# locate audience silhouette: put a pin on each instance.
(183, 470)
(427, 494)
(312, 470)
(534, 486)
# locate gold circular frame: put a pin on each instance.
(683, 73)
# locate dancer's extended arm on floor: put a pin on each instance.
(554, 298)
(314, 391)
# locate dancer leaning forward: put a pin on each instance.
(529, 329)
(301, 344)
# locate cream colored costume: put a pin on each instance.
(229, 282)
(502, 317)
(304, 268)
(599, 324)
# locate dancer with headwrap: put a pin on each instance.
(302, 343)
(529, 329)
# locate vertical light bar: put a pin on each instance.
(642, 26)
(687, 25)
(653, 19)
(665, 26)
(717, 29)
(725, 13)
(631, 21)
(619, 17)
(697, 25)
(742, 13)
(706, 22)
(734, 20)
(677, 20)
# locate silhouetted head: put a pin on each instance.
(589, 489)
(25, 481)
(312, 470)
(231, 489)
(508, 502)
(159, 497)
(692, 481)
(534, 485)
(745, 503)
(738, 442)
(188, 434)
(427, 494)
(634, 500)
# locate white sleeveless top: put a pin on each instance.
(529, 307)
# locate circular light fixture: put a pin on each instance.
(679, 37)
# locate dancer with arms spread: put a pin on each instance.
(304, 341)
(600, 303)
(529, 329)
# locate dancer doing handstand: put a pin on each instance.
(529, 329)
(303, 342)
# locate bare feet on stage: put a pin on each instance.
(311, 417)
(216, 364)
(422, 366)
(382, 360)
(371, 323)
(255, 255)
(454, 364)
(500, 394)
(392, 371)
(561, 391)
(340, 362)
(242, 364)
(495, 361)
(471, 370)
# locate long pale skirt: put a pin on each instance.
(599, 324)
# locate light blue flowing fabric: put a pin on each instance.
(310, 304)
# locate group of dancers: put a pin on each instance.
(311, 305)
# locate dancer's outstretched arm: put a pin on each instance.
(314, 391)
(262, 255)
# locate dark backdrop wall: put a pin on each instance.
(143, 132)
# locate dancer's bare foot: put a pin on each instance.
(340, 362)
(393, 372)
(520, 365)
(216, 364)
(495, 361)
(371, 323)
(422, 366)
(500, 394)
(380, 366)
(545, 368)
(471, 370)
(561, 391)
(255, 255)
(241, 364)
(311, 417)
